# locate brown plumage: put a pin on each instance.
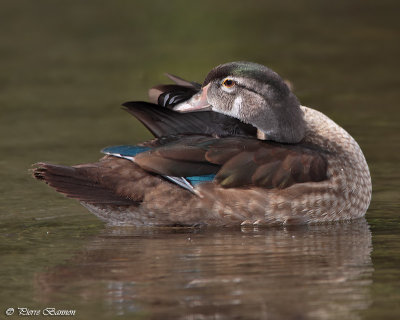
(308, 169)
(82, 183)
(238, 161)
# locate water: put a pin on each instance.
(65, 67)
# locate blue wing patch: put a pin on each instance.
(199, 179)
(129, 152)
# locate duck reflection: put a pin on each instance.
(320, 272)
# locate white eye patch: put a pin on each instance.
(228, 84)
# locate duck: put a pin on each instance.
(237, 150)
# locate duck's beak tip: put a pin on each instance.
(199, 102)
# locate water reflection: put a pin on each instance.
(320, 272)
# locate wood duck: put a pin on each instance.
(237, 150)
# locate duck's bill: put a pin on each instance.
(198, 102)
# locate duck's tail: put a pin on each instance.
(82, 183)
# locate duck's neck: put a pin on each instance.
(283, 123)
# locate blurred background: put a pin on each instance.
(66, 67)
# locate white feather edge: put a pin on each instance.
(180, 181)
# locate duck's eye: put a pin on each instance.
(228, 83)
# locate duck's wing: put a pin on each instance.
(236, 161)
(161, 120)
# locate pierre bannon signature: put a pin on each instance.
(45, 312)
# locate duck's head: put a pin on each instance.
(253, 94)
